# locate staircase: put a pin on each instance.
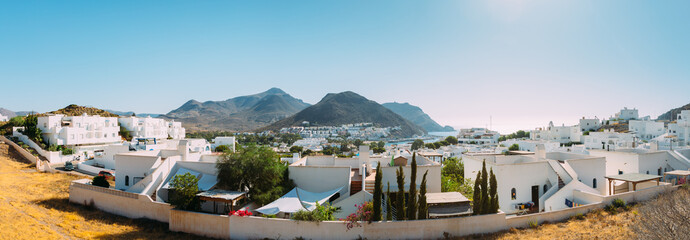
(369, 186)
(355, 187)
(560, 182)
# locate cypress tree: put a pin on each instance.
(477, 196)
(389, 210)
(400, 195)
(412, 199)
(485, 203)
(422, 209)
(378, 191)
(493, 192)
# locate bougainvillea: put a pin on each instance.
(241, 213)
(365, 212)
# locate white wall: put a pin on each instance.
(589, 169)
(133, 165)
(321, 179)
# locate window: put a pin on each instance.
(658, 172)
(512, 194)
(647, 171)
(620, 172)
(126, 180)
(594, 183)
(546, 188)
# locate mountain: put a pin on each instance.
(672, 114)
(7, 113)
(346, 108)
(415, 115)
(242, 113)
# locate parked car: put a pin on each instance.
(69, 166)
(107, 175)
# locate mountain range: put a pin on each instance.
(415, 115)
(243, 113)
(336, 109)
(672, 114)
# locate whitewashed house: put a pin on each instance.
(646, 130)
(531, 145)
(478, 135)
(608, 140)
(81, 130)
(545, 179)
(4, 118)
(627, 114)
(561, 134)
(589, 124)
(680, 130)
(152, 128)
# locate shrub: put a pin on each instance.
(67, 151)
(533, 223)
(320, 213)
(222, 148)
(100, 181)
(364, 213)
(241, 213)
(618, 203)
(304, 215)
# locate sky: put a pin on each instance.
(513, 64)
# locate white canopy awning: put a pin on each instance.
(297, 199)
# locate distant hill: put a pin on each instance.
(129, 113)
(76, 110)
(672, 114)
(7, 113)
(345, 108)
(243, 113)
(415, 115)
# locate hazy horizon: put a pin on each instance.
(522, 63)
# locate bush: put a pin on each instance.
(222, 148)
(618, 203)
(100, 181)
(304, 215)
(514, 147)
(320, 213)
(67, 151)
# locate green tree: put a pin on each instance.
(222, 148)
(514, 147)
(389, 210)
(31, 129)
(358, 142)
(381, 144)
(437, 145)
(493, 192)
(485, 202)
(430, 146)
(453, 167)
(296, 149)
(184, 189)
(256, 169)
(400, 195)
(452, 140)
(417, 144)
(100, 181)
(412, 198)
(124, 133)
(477, 195)
(378, 191)
(422, 210)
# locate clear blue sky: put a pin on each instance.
(522, 62)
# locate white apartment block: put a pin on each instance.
(627, 114)
(680, 130)
(608, 140)
(646, 130)
(478, 135)
(590, 124)
(59, 129)
(561, 134)
(152, 128)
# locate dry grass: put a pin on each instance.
(36, 206)
(597, 224)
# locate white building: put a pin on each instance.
(646, 130)
(478, 135)
(608, 140)
(561, 134)
(531, 145)
(680, 130)
(589, 124)
(627, 114)
(545, 179)
(227, 141)
(59, 129)
(152, 128)
(4, 118)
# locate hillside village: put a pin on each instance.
(348, 178)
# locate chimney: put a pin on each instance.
(540, 152)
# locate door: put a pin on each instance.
(535, 196)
